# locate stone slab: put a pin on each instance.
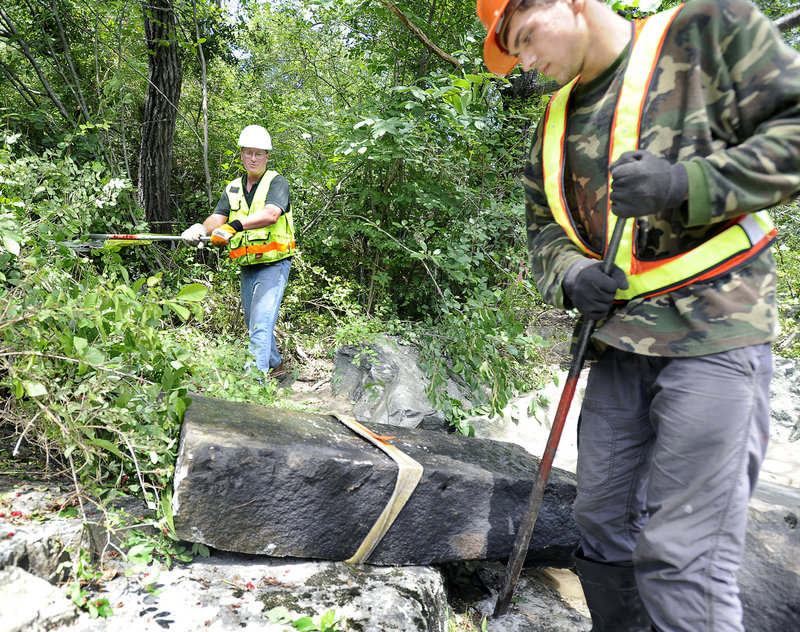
(283, 483)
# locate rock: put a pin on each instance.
(784, 400)
(42, 549)
(769, 579)
(228, 592)
(285, 483)
(782, 463)
(387, 386)
(32, 604)
(538, 604)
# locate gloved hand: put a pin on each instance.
(590, 290)
(222, 235)
(644, 184)
(192, 235)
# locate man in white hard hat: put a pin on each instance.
(253, 219)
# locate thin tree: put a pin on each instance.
(160, 112)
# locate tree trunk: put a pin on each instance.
(160, 113)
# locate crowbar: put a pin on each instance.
(523, 539)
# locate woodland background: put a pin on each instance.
(404, 159)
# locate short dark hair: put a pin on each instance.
(511, 8)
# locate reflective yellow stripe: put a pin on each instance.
(553, 141)
(734, 244)
(729, 248)
(628, 116)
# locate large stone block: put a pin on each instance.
(286, 483)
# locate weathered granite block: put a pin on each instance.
(285, 483)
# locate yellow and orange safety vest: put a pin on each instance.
(740, 240)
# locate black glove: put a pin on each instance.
(590, 290)
(644, 184)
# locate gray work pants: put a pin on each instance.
(669, 452)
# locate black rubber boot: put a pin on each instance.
(612, 597)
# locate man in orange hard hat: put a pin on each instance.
(686, 126)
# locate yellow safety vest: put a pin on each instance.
(738, 240)
(258, 245)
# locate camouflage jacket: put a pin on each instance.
(724, 101)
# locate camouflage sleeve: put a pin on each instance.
(550, 250)
(755, 77)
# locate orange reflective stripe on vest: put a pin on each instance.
(252, 249)
(737, 241)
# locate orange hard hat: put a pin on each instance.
(497, 60)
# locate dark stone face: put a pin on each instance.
(286, 483)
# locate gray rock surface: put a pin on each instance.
(31, 604)
(539, 602)
(44, 548)
(286, 483)
(386, 385)
(784, 400)
(233, 592)
(769, 579)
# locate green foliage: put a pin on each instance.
(91, 361)
(487, 346)
(787, 257)
(327, 622)
(86, 575)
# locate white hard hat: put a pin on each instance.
(256, 137)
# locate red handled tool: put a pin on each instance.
(525, 531)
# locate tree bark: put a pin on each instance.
(420, 35)
(202, 59)
(788, 21)
(160, 112)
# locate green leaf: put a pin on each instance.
(11, 242)
(179, 406)
(107, 445)
(201, 550)
(180, 310)
(94, 355)
(327, 621)
(192, 292)
(305, 624)
(34, 389)
(279, 614)
(80, 344)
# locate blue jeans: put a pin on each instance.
(262, 287)
(669, 452)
